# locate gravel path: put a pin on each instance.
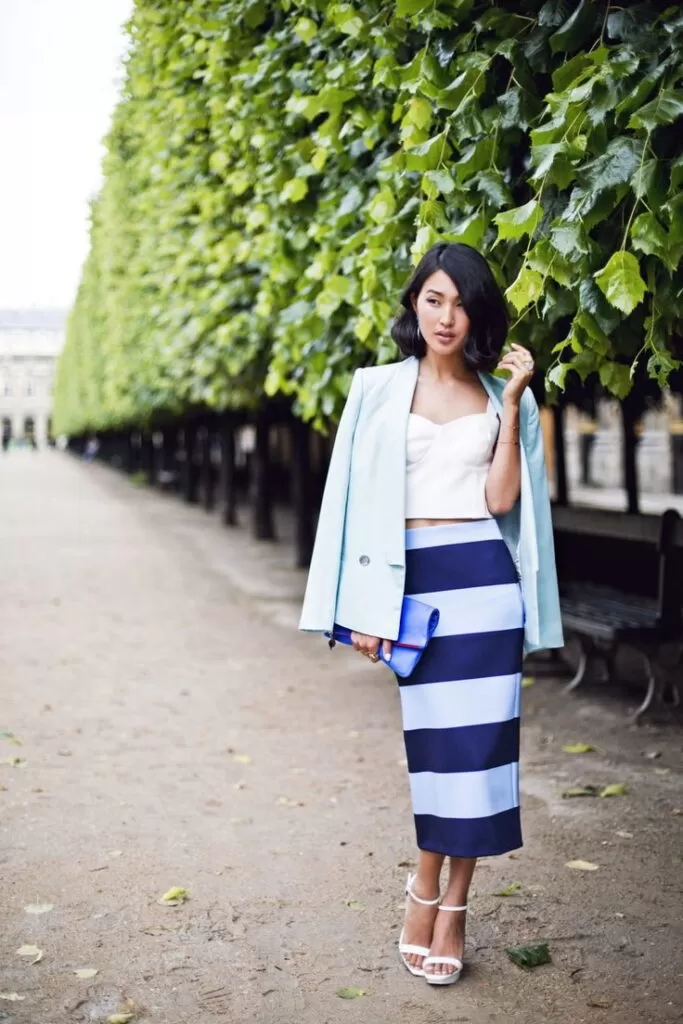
(174, 730)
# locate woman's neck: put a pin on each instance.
(443, 369)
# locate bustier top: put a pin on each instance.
(447, 465)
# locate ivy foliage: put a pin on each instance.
(274, 168)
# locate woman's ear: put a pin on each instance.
(413, 303)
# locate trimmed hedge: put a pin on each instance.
(273, 169)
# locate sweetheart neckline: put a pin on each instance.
(468, 416)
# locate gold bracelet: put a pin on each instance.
(508, 442)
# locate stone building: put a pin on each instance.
(29, 343)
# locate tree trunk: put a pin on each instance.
(263, 525)
(629, 419)
(301, 493)
(561, 490)
(190, 484)
(228, 489)
(206, 468)
(167, 459)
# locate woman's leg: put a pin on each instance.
(419, 921)
(449, 928)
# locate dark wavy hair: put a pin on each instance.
(481, 298)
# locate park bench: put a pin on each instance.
(621, 586)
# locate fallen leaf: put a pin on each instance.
(581, 865)
(529, 956)
(677, 810)
(578, 748)
(615, 789)
(603, 1004)
(662, 771)
(354, 905)
(3, 789)
(115, 853)
(286, 801)
(625, 835)
(13, 997)
(510, 890)
(353, 734)
(581, 791)
(241, 758)
(14, 761)
(38, 908)
(652, 755)
(528, 681)
(239, 785)
(350, 993)
(86, 972)
(33, 951)
(174, 897)
(120, 1018)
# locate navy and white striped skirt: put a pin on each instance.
(460, 706)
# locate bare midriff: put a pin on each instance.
(412, 524)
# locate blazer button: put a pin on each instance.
(364, 560)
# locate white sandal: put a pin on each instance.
(406, 947)
(452, 976)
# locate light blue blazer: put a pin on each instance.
(357, 571)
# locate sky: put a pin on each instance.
(60, 69)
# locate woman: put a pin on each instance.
(437, 489)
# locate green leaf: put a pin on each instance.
(470, 231)
(557, 375)
(382, 206)
(577, 748)
(306, 29)
(616, 166)
(620, 281)
(648, 236)
(525, 289)
(616, 377)
(576, 29)
(529, 956)
(419, 112)
(437, 183)
(614, 789)
(294, 190)
(665, 109)
(406, 8)
(350, 993)
(509, 890)
(427, 156)
(580, 791)
(522, 220)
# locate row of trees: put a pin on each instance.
(273, 168)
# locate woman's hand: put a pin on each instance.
(520, 363)
(369, 646)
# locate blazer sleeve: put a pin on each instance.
(320, 600)
(550, 617)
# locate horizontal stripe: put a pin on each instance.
(461, 702)
(470, 837)
(471, 656)
(477, 609)
(469, 748)
(467, 794)
(456, 566)
(451, 533)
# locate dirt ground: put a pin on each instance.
(174, 729)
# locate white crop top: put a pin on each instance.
(447, 465)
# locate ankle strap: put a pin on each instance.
(442, 907)
(418, 899)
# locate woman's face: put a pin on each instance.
(444, 324)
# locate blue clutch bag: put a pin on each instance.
(418, 622)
